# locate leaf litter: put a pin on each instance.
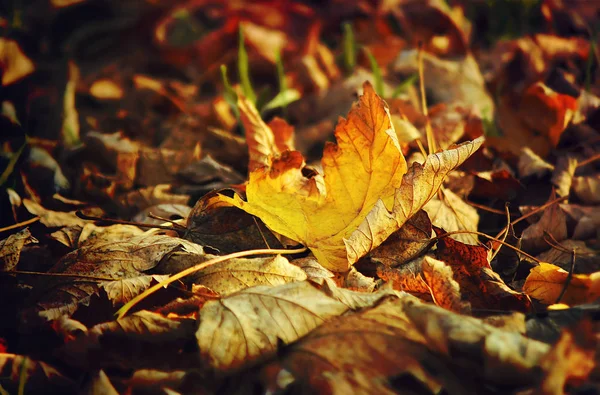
(256, 231)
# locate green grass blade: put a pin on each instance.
(229, 95)
(403, 86)
(376, 72)
(349, 46)
(243, 69)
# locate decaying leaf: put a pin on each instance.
(238, 329)
(552, 222)
(452, 213)
(50, 218)
(407, 243)
(238, 274)
(122, 265)
(403, 336)
(131, 341)
(10, 249)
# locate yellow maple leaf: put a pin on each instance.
(547, 281)
(366, 165)
(363, 171)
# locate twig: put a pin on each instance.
(179, 228)
(20, 224)
(588, 161)
(429, 132)
(505, 233)
(456, 232)
(569, 277)
(534, 211)
(91, 278)
(123, 310)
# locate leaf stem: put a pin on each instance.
(123, 310)
(20, 224)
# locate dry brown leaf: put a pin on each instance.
(407, 243)
(248, 325)
(76, 237)
(53, 219)
(546, 111)
(124, 290)
(531, 164)
(429, 279)
(445, 291)
(452, 213)
(132, 341)
(479, 284)
(406, 336)
(237, 274)
(449, 81)
(10, 249)
(587, 188)
(314, 271)
(353, 299)
(562, 177)
(100, 384)
(587, 260)
(587, 220)
(553, 222)
(106, 89)
(126, 260)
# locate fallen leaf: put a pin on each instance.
(479, 284)
(547, 281)
(445, 291)
(70, 128)
(429, 279)
(587, 220)
(263, 140)
(587, 260)
(530, 164)
(571, 360)
(124, 262)
(124, 290)
(130, 342)
(245, 326)
(449, 80)
(365, 167)
(562, 177)
(587, 188)
(10, 249)
(407, 243)
(106, 89)
(51, 218)
(237, 274)
(546, 111)
(403, 336)
(13, 62)
(553, 222)
(452, 213)
(419, 185)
